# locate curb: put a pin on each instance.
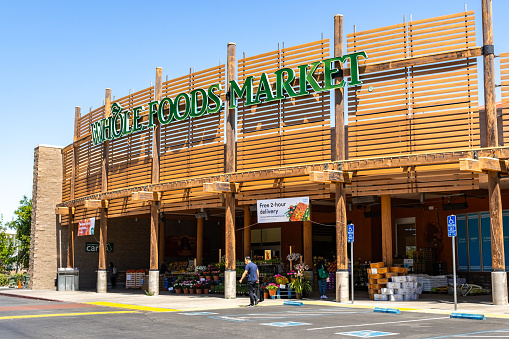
(3, 294)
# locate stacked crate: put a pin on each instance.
(377, 278)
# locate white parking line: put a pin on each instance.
(375, 324)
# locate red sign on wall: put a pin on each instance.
(86, 227)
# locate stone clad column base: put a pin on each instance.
(153, 282)
(499, 288)
(102, 281)
(230, 284)
(342, 287)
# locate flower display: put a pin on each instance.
(272, 286)
(293, 256)
(301, 267)
(281, 280)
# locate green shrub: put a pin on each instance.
(18, 276)
(4, 279)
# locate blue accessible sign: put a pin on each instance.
(451, 226)
(350, 232)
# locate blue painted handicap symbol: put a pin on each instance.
(285, 324)
(367, 334)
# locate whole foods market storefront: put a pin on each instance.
(176, 172)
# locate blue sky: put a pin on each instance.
(56, 55)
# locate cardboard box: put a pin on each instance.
(382, 270)
(393, 284)
(372, 271)
(393, 269)
(408, 284)
(386, 290)
(374, 276)
(382, 281)
(388, 275)
(380, 297)
(376, 265)
(375, 286)
(396, 297)
(402, 270)
(372, 281)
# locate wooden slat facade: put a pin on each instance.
(504, 75)
(419, 108)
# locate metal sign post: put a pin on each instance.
(350, 240)
(452, 232)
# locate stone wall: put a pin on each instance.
(46, 230)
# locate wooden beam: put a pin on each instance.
(103, 239)
(64, 210)
(162, 238)
(419, 60)
(490, 164)
(220, 187)
(330, 176)
(470, 165)
(96, 204)
(146, 196)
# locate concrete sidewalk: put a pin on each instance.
(165, 302)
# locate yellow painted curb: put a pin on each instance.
(61, 315)
(134, 307)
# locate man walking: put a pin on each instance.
(253, 278)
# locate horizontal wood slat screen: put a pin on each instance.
(420, 108)
(193, 147)
(67, 155)
(286, 132)
(419, 179)
(130, 157)
(504, 74)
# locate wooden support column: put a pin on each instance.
(70, 235)
(307, 240)
(70, 242)
(199, 241)
(154, 205)
(498, 276)
(154, 241)
(103, 230)
(162, 237)
(102, 275)
(230, 166)
(247, 231)
(342, 284)
(386, 230)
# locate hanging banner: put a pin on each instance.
(86, 227)
(283, 210)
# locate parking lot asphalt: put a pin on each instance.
(30, 318)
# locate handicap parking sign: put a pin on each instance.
(451, 226)
(350, 232)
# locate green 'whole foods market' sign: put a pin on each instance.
(185, 105)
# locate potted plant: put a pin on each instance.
(265, 292)
(177, 287)
(281, 280)
(272, 288)
(301, 283)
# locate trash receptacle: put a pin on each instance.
(68, 279)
